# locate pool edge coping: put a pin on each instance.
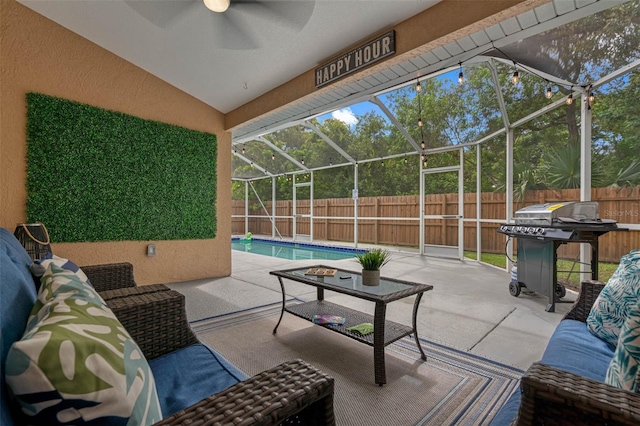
(302, 244)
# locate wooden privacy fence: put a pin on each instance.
(398, 223)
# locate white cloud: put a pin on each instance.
(346, 116)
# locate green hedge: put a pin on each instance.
(99, 175)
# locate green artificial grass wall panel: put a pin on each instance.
(100, 175)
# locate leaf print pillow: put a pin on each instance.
(624, 369)
(76, 364)
(617, 298)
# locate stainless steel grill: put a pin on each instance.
(540, 230)
(550, 213)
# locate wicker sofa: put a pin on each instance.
(194, 384)
(567, 386)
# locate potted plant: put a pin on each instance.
(371, 262)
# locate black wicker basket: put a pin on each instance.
(34, 237)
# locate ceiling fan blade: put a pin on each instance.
(161, 12)
(231, 29)
(230, 33)
(292, 15)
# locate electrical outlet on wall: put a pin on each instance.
(151, 250)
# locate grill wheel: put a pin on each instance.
(514, 289)
(561, 290)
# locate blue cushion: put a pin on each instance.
(17, 254)
(508, 411)
(188, 375)
(572, 348)
(18, 295)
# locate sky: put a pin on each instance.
(350, 114)
(345, 115)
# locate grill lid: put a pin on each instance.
(548, 213)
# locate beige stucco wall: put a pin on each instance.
(38, 55)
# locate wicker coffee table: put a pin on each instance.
(350, 282)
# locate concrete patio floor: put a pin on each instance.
(470, 307)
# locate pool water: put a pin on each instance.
(293, 251)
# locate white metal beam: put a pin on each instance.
(328, 140)
(395, 122)
(478, 203)
(461, 206)
(498, 90)
(618, 73)
(585, 175)
(509, 197)
(283, 153)
(252, 163)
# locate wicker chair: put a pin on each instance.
(554, 397)
(291, 393)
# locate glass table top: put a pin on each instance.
(351, 281)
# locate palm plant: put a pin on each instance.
(373, 260)
(562, 167)
(628, 176)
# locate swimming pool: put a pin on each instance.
(293, 251)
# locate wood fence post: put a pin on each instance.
(376, 228)
(443, 227)
(326, 221)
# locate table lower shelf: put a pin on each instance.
(392, 330)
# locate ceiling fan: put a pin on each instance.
(217, 5)
(228, 18)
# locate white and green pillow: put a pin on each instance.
(624, 369)
(50, 258)
(76, 364)
(616, 299)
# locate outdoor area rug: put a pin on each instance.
(452, 387)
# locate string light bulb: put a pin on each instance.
(570, 97)
(592, 96)
(418, 86)
(549, 93)
(460, 75)
(330, 161)
(302, 161)
(516, 77)
(406, 161)
(423, 145)
(382, 163)
(420, 122)
(243, 150)
(273, 157)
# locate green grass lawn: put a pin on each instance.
(605, 270)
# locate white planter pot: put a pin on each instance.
(370, 278)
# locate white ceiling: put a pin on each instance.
(227, 60)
